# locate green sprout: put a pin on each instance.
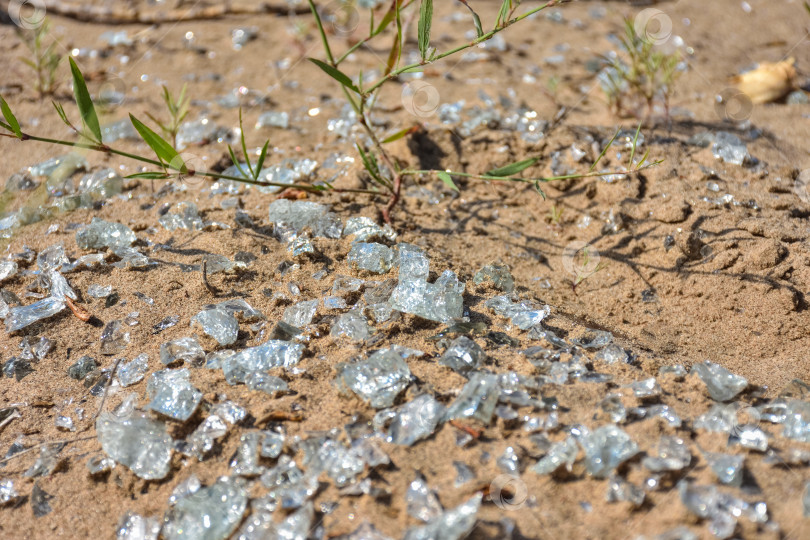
(43, 60)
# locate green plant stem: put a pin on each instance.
(108, 150)
(394, 74)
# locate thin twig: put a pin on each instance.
(104, 395)
(40, 445)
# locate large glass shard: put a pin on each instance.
(477, 399)
(137, 441)
(605, 449)
(186, 350)
(171, 393)
(289, 486)
(421, 501)
(413, 263)
(523, 314)
(727, 467)
(300, 215)
(184, 215)
(562, 453)
(300, 314)
(720, 418)
(353, 325)
(246, 460)
(441, 301)
(620, 490)
(217, 323)
(211, 513)
(136, 527)
(372, 257)
(413, 421)
(52, 258)
(324, 454)
(378, 380)
(8, 269)
(132, 372)
(797, 420)
(22, 316)
(729, 148)
(364, 229)
(101, 234)
(7, 492)
(272, 353)
(721, 384)
(463, 355)
(114, 338)
(451, 525)
(673, 455)
(202, 439)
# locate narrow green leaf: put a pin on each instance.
(162, 149)
(149, 175)
(10, 118)
(513, 168)
(643, 159)
(398, 135)
(85, 102)
(635, 145)
(318, 21)
(262, 157)
(604, 151)
(538, 190)
(336, 74)
(447, 179)
(5, 126)
(476, 19)
(502, 13)
(244, 146)
(61, 112)
(425, 21)
(236, 163)
(807, 7)
(387, 19)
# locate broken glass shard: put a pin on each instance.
(727, 467)
(413, 263)
(99, 291)
(105, 234)
(7, 492)
(184, 350)
(441, 301)
(8, 269)
(729, 148)
(605, 449)
(421, 501)
(114, 338)
(211, 513)
(721, 384)
(52, 258)
(496, 274)
(463, 355)
(372, 257)
(562, 453)
(364, 229)
(300, 215)
(246, 460)
(217, 323)
(272, 353)
(378, 380)
(168, 322)
(100, 464)
(352, 325)
(414, 421)
(673, 455)
(202, 439)
(620, 490)
(136, 441)
(83, 366)
(171, 393)
(453, 524)
(256, 380)
(132, 372)
(300, 314)
(22, 316)
(523, 314)
(477, 399)
(40, 501)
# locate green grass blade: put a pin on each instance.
(336, 74)
(61, 112)
(513, 168)
(236, 163)
(164, 151)
(447, 179)
(604, 151)
(318, 21)
(253, 173)
(85, 102)
(262, 157)
(538, 190)
(149, 175)
(425, 21)
(10, 118)
(635, 145)
(398, 135)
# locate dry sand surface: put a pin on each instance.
(688, 276)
